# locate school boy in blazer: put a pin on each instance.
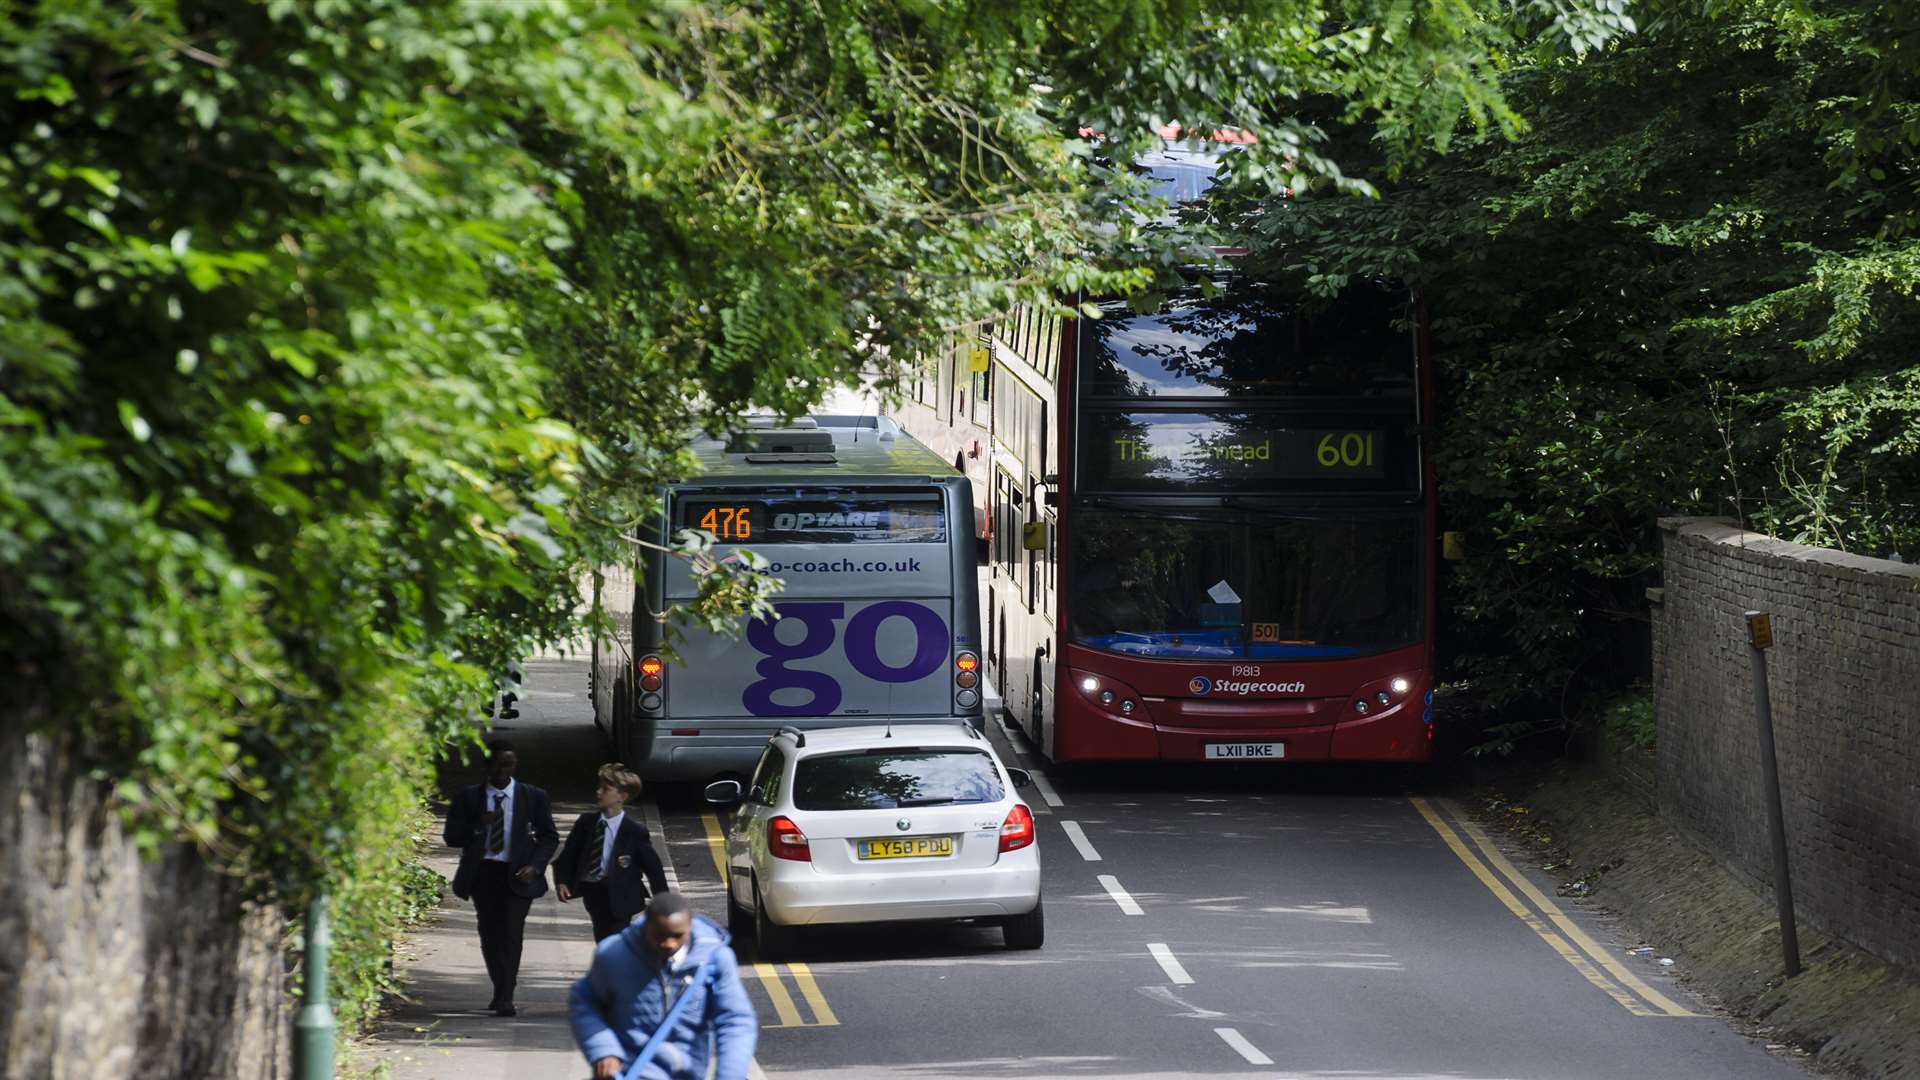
(506, 834)
(609, 861)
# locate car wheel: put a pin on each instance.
(772, 940)
(737, 922)
(1027, 931)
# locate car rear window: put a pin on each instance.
(885, 779)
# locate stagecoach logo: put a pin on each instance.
(1200, 684)
(903, 824)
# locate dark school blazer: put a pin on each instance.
(533, 842)
(633, 877)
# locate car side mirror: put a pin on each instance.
(1021, 777)
(724, 792)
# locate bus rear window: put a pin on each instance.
(814, 518)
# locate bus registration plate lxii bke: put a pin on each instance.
(905, 847)
(1247, 751)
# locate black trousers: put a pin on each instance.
(502, 914)
(606, 922)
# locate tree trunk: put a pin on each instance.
(114, 965)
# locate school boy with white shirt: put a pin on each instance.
(609, 861)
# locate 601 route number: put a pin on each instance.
(1348, 449)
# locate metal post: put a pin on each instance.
(1760, 638)
(313, 1030)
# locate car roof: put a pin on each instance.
(865, 736)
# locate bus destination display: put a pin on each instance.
(774, 519)
(1133, 451)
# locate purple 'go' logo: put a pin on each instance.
(773, 671)
(931, 645)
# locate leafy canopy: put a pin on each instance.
(338, 340)
(1688, 288)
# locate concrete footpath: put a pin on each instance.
(440, 1028)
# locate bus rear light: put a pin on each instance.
(1017, 831)
(786, 841)
(652, 670)
(966, 670)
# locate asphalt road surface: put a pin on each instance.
(1231, 922)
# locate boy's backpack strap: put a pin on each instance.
(700, 977)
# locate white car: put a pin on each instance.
(877, 824)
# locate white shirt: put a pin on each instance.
(606, 845)
(501, 799)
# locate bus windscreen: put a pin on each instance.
(1250, 344)
(1245, 586)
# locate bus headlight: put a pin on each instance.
(1360, 706)
(1383, 698)
(1127, 706)
(1401, 685)
(1106, 697)
(1089, 684)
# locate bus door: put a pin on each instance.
(866, 619)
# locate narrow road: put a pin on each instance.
(1204, 922)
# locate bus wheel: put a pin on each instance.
(622, 719)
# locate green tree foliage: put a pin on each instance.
(1688, 288)
(337, 340)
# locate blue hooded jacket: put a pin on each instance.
(624, 995)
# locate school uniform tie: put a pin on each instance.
(497, 831)
(597, 866)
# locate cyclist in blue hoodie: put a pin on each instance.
(639, 973)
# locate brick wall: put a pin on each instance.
(1845, 682)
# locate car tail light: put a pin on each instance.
(786, 841)
(1017, 831)
(652, 670)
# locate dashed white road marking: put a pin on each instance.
(1046, 788)
(1244, 1048)
(1120, 895)
(1170, 965)
(1080, 842)
(1015, 737)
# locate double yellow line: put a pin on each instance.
(769, 975)
(1575, 946)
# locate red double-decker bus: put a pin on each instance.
(1211, 526)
